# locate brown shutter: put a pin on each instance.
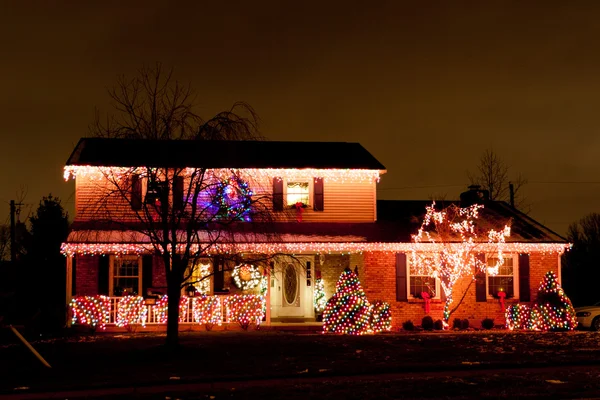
(136, 192)
(146, 274)
(401, 292)
(277, 194)
(178, 193)
(218, 275)
(318, 194)
(103, 266)
(480, 284)
(524, 290)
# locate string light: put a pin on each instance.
(245, 309)
(333, 175)
(246, 276)
(161, 309)
(203, 286)
(71, 249)
(454, 232)
(90, 310)
(518, 316)
(207, 310)
(348, 311)
(131, 310)
(319, 295)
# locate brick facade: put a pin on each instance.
(86, 276)
(379, 282)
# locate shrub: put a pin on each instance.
(408, 325)
(438, 325)
(427, 323)
(487, 323)
(465, 324)
(457, 323)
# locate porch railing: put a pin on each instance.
(134, 310)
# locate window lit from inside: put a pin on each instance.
(126, 276)
(297, 192)
(421, 283)
(504, 280)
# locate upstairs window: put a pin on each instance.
(297, 192)
(504, 281)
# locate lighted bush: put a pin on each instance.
(245, 309)
(381, 317)
(518, 316)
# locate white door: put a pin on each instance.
(292, 294)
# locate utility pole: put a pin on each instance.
(13, 231)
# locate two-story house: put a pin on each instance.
(324, 216)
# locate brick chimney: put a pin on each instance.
(475, 195)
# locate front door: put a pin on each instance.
(292, 294)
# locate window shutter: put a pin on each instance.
(178, 193)
(146, 274)
(218, 275)
(318, 194)
(524, 290)
(136, 192)
(401, 292)
(277, 194)
(480, 284)
(103, 265)
(74, 275)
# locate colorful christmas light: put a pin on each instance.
(203, 285)
(454, 232)
(71, 249)
(348, 311)
(90, 310)
(319, 295)
(207, 310)
(518, 316)
(381, 317)
(333, 175)
(161, 309)
(131, 310)
(246, 276)
(245, 309)
(232, 199)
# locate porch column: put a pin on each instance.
(69, 287)
(268, 297)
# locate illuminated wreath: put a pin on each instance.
(233, 198)
(246, 276)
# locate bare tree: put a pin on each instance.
(187, 213)
(493, 175)
(4, 243)
(582, 263)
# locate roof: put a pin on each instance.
(221, 154)
(399, 219)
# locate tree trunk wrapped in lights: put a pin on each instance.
(457, 241)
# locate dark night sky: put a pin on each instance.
(426, 88)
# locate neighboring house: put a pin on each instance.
(340, 224)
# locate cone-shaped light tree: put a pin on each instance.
(456, 242)
(553, 309)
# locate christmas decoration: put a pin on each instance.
(70, 249)
(207, 311)
(299, 210)
(348, 311)
(425, 296)
(381, 317)
(160, 309)
(232, 199)
(245, 309)
(246, 276)
(203, 284)
(518, 316)
(331, 175)
(131, 310)
(319, 295)
(455, 233)
(91, 310)
(501, 297)
(553, 309)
